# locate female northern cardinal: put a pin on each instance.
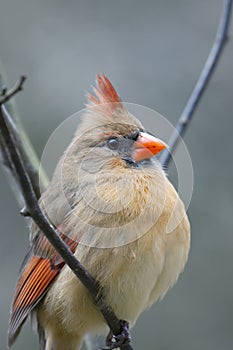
(114, 207)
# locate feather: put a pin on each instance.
(105, 93)
(36, 276)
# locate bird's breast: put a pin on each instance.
(130, 251)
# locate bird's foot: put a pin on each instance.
(116, 341)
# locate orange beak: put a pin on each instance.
(146, 147)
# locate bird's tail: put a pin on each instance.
(63, 341)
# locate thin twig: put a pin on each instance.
(37, 215)
(7, 95)
(26, 150)
(200, 87)
(29, 166)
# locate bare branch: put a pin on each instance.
(30, 161)
(118, 327)
(8, 95)
(27, 161)
(26, 150)
(201, 85)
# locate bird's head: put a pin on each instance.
(107, 175)
(109, 135)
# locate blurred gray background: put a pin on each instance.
(153, 52)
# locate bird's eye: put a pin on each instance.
(113, 143)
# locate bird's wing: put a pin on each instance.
(37, 274)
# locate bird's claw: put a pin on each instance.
(116, 341)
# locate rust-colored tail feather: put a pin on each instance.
(36, 276)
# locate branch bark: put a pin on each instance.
(24, 145)
(31, 163)
(201, 85)
(118, 327)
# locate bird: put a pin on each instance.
(114, 206)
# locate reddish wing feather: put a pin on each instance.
(43, 264)
(36, 277)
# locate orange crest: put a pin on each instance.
(105, 93)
